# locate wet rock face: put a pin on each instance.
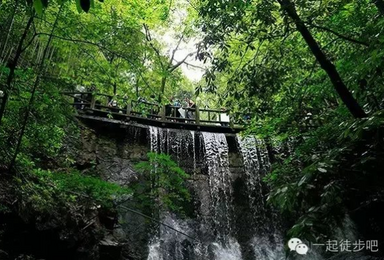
(113, 153)
(113, 156)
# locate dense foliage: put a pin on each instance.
(46, 191)
(162, 186)
(48, 47)
(300, 69)
(308, 74)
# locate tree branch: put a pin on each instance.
(149, 40)
(181, 62)
(174, 50)
(193, 66)
(338, 34)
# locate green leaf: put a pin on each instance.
(302, 181)
(322, 170)
(38, 5)
(78, 6)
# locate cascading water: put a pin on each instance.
(267, 242)
(212, 233)
(226, 184)
(154, 139)
(255, 163)
(170, 244)
(193, 150)
(179, 143)
(216, 159)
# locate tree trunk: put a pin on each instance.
(380, 5)
(33, 92)
(345, 95)
(3, 102)
(137, 88)
(12, 67)
(12, 19)
(162, 89)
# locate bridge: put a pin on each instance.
(120, 110)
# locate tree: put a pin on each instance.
(165, 51)
(330, 69)
(162, 186)
(380, 5)
(266, 22)
(167, 67)
(12, 65)
(109, 52)
(261, 66)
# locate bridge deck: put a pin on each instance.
(148, 114)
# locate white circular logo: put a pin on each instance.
(293, 242)
(297, 245)
(301, 249)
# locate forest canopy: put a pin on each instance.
(307, 74)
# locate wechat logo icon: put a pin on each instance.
(297, 245)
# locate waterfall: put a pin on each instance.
(228, 218)
(154, 139)
(256, 165)
(170, 244)
(179, 143)
(214, 237)
(267, 242)
(193, 151)
(254, 160)
(231, 251)
(216, 159)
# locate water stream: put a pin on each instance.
(219, 232)
(213, 232)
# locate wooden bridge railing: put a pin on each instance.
(98, 102)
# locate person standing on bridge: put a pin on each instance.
(172, 109)
(79, 97)
(180, 112)
(190, 104)
(113, 105)
(154, 107)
